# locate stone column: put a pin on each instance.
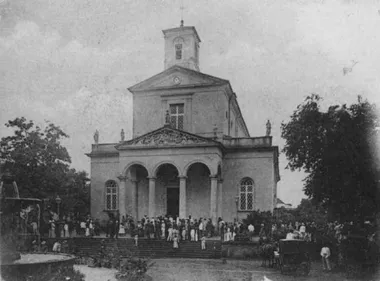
(122, 196)
(152, 197)
(213, 198)
(182, 197)
(220, 198)
(134, 199)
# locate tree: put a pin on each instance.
(306, 211)
(333, 148)
(40, 164)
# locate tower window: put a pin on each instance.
(178, 51)
(176, 115)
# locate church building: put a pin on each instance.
(190, 153)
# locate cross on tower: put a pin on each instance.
(182, 8)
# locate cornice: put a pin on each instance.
(102, 154)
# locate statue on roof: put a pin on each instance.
(122, 135)
(269, 127)
(167, 118)
(96, 137)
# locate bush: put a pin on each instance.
(133, 269)
(256, 218)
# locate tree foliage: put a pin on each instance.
(40, 163)
(333, 148)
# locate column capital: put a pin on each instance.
(213, 177)
(122, 178)
(182, 177)
(152, 178)
(133, 180)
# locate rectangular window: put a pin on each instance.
(178, 51)
(177, 112)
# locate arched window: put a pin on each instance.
(246, 194)
(178, 51)
(111, 195)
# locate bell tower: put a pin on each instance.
(182, 47)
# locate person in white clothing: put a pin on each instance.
(251, 230)
(302, 230)
(203, 243)
(290, 235)
(57, 247)
(66, 230)
(192, 234)
(200, 228)
(325, 254)
(228, 236)
(170, 233)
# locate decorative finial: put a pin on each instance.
(167, 118)
(96, 137)
(182, 8)
(122, 135)
(269, 127)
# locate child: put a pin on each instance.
(136, 240)
(57, 247)
(175, 242)
(203, 243)
(122, 230)
(44, 247)
(325, 254)
(34, 246)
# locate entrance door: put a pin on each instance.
(172, 202)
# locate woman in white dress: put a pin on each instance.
(175, 241)
(170, 234)
(121, 230)
(163, 230)
(228, 235)
(192, 233)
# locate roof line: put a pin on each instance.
(178, 67)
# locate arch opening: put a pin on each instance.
(198, 192)
(167, 190)
(137, 186)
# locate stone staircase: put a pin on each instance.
(146, 248)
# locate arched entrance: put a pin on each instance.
(198, 190)
(167, 187)
(137, 176)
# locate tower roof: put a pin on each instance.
(181, 29)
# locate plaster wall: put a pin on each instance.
(102, 170)
(259, 167)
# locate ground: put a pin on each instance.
(213, 270)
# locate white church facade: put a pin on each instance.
(190, 153)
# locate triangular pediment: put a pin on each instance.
(177, 77)
(166, 137)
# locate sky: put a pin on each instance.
(71, 62)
